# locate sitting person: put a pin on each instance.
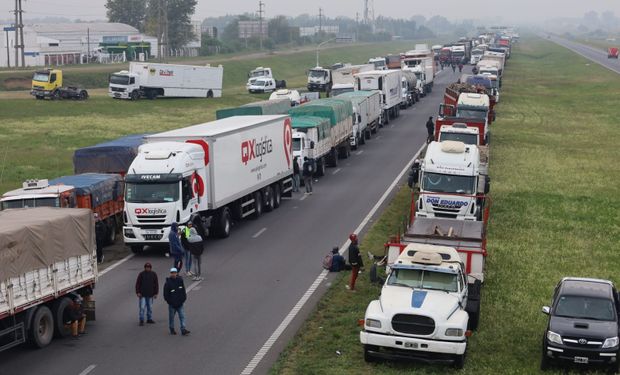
(338, 263)
(75, 318)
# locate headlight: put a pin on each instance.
(373, 323)
(554, 337)
(457, 332)
(611, 342)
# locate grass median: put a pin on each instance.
(555, 213)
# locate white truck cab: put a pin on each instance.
(259, 72)
(451, 179)
(421, 312)
(476, 55)
(474, 106)
(378, 62)
(124, 85)
(319, 79)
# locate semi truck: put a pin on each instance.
(320, 79)
(152, 80)
(42, 268)
(467, 134)
(312, 139)
(453, 182)
(421, 62)
(409, 83)
(225, 170)
(367, 107)
(263, 107)
(389, 83)
(339, 113)
(344, 78)
(378, 62)
(48, 83)
(102, 193)
(266, 78)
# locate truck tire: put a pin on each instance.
(137, 249)
(151, 94)
(333, 157)
(209, 94)
(83, 95)
(258, 205)
(386, 117)
(269, 199)
(58, 310)
(41, 329)
(277, 195)
(368, 357)
(320, 167)
(362, 139)
(134, 95)
(224, 222)
(459, 361)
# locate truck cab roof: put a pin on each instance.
(474, 100)
(452, 157)
(431, 257)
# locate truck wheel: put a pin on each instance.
(333, 157)
(258, 205)
(367, 355)
(224, 223)
(137, 249)
(42, 327)
(386, 117)
(58, 308)
(151, 94)
(277, 195)
(209, 94)
(39, 97)
(134, 95)
(269, 200)
(320, 167)
(459, 361)
(55, 95)
(83, 95)
(363, 138)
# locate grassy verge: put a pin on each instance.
(37, 138)
(555, 214)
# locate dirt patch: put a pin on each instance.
(16, 83)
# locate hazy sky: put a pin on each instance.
(509, 10)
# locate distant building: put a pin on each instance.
(66, 43)
(211, 31)
(253, 29)
(314, 30)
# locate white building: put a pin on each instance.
(64, 43)
(314, 30)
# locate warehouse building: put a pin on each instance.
(68, 43)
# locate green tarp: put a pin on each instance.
(264, 107)
(302, 123)
(335, 110)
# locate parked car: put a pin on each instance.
(583, 324)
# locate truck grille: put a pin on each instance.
(413, 324)
(589, 343)
(153, 237)
(154, 219)
(118, 89)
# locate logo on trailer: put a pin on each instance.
(166, 72)
(288, 140)
(198, 185)
(255, 149)
(150, 211)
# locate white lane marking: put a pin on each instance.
(88, 369)
(258, 357)
(303, 197)
(336, 171)
(116, 264)
(193, 285)
(359, 152)
(259, 233)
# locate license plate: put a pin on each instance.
(581, 359)
(151, 231)
(412, 345)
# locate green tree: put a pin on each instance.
(130, 12)
(180, 13)
(279, 30)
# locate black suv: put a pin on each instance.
(583, 324)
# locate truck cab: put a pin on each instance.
(476, 55)
(452, 181)
(259, 72)
(46, 82)
(379, 62)
(124, 85)
(421, 312)
(319, 79)
(39, 193)
(474, 106)
(154, 200)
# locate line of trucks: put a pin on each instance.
(430, 302)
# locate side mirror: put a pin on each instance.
(312, 145)
(546, 310)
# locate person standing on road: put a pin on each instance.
(355, 259)
(188, 255)
(195, 245)
(147, 289)
(430, 129)
(176, 249)
(453, 68)
(175, 296)
(460, 67)
(296, 173)
(308, 171)
(100, 234)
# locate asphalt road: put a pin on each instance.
(594, 54)
(253, 279)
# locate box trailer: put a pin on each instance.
(108, 157)
(263, 107)
(221, 171)
(389, 83)
(151, 80)
(343, 79)
(47, 257)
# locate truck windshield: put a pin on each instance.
(119, 80)
(41, 77)
(468, 139)
(260, 82)
(471, 113)
(379, 64)
(152, 192)
(412, 63)
(30, 203)
(423, 279)
(297, 144)
(585, 308)
(317, 74)
(446, 183)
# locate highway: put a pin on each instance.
(252, 281)
(591, 53)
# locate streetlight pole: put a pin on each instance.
(319, 47)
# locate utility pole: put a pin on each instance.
(8, 53)
(21, 32)
(320, 21)
(16, 46)
(260, 22)
(88, 44)
(162, 29)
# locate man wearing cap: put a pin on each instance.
(147, 288)
(175, 296)
(76, 319)
(355, 259)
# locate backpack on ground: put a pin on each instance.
(327, 261)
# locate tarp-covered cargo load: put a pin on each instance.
(100, 186)
(108, 157)
(335, 110)
(264, 107)
(35, 238)
(303, 123)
